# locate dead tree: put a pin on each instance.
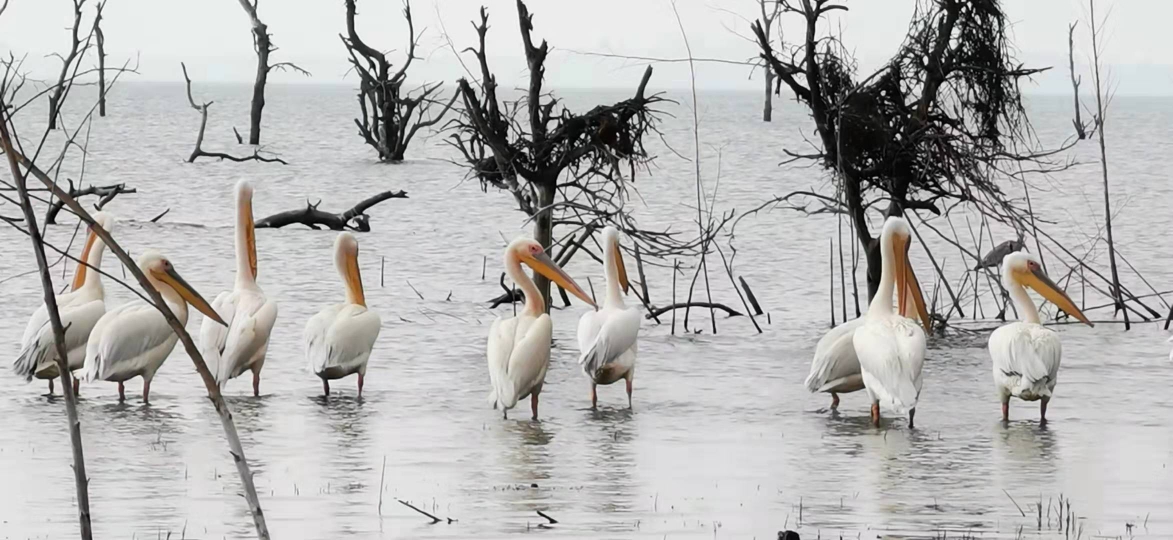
(315, 219)
(69, 63)
(105, 194)
(390, 117)
(562, 168)
(767, 20)
(1080, 129)
(262, 45)
(101, 39)
(931, 129)
(199, 151)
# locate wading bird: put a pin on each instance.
(134, 339)
(339, 339)
(80, 310)
(519, 347)
(890, 347)
(607, 337)
(241, 346)
(1025, 354)
(835, 367)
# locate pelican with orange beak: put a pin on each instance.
(607, 337)
(519, 347)
(134, 339)
(890, 347)
(80, 310)
(1026, 354)
(339, 339)
(241, 346)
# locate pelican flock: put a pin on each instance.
(607, 337)
(891, 347)
(1025, 354)
(79, 309)
(881, 352)
(134, 339)
(241, 346)
(519, 347)
(339, 339)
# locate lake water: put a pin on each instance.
(724, 441)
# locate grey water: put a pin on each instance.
(723, 442)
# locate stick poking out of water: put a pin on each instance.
(434, 519)
(550, 519)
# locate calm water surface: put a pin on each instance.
(724, 441)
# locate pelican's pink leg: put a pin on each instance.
(360, 380)
(121, 392)
(834, 401)
(533, 404)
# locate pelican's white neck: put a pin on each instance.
(94, 260)
(614, 297)
(882, 301)
(1026, 306)
(535, 304)
(244, 238)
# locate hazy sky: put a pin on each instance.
(212, 36)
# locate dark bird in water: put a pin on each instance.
(994, 257)
(787, 535)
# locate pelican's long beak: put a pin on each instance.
(250, 234)
(354, 289)
(79, 277)
(172, 278)
(908, 287)
(1043, 285)
(623, 282)
(542, 264)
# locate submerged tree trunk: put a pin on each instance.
(101, 61)
(261, 34)
(544, 231)
(768, 108)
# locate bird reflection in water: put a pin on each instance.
(609, 460)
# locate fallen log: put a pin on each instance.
(106, 194)
(706, 305)
(354, 219)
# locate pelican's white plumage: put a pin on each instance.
(607, 337)
(339, 339)
(890, 347)
(240, 346)
(518, 350)
(1025, 354)
(79, 309)
(835, 367)
(133, 340)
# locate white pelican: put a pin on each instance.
(80, 310)
(240, 346)
(133, 340)
(339, 339)
(519, 347)
(1025, 354)
(607, 337)
(890, 347)
(835, 367)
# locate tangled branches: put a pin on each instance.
(564, 169)
(935, 127)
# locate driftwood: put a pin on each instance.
(354, 219)
(101, 39)
(700, 305)
(106, 194)
(70, 62)
(199, 151)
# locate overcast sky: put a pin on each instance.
(212, 36)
